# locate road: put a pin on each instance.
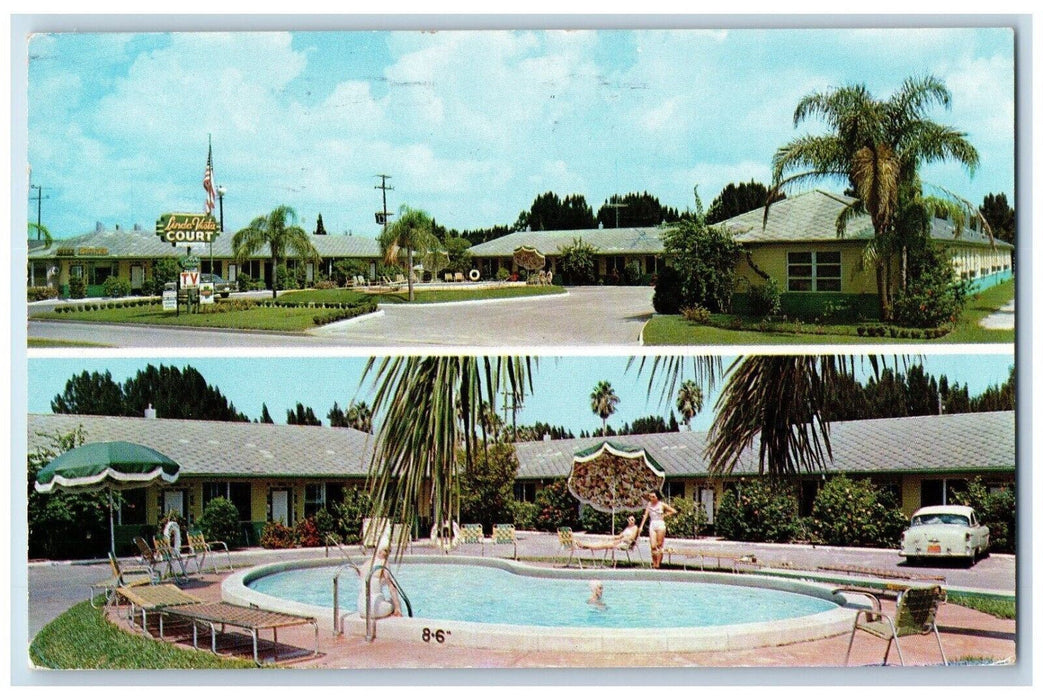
(584, 316)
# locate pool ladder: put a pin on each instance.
(371, 622)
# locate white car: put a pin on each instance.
(945, 531)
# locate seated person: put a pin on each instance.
(626, 538)
(383, 595)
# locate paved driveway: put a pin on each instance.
(582, 317)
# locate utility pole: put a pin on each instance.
(39, 207)
(617, 206)
(513, 406)
(382, 215)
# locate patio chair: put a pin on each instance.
(471, 533)
(458, 277)
(198, 545)
(448, 277)
(151, 561)
(566, 544)
(504, 534)
(137, 576)
(915, 613)
(152, 599)
(173, 557)
(400, 279)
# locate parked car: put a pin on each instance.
(221, 287)
(945, 531)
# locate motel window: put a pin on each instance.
(525, 492)
(235, 491)
(132, 507)
(314, 499)
(673, 488)
(76, 271)
(815, 271)
(651, 265)
(99, 273)
(940, 492)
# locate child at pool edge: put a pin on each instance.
(383, 594)
(596, 589)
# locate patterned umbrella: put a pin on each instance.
(115, 466)
(529, 258)
(610, 477)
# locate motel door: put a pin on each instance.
(137, 276)
(281, 506)
(173, 501)
(706, 498)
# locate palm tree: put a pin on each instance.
(603, 402)
(876, 147)
(41, 231)
(689, 401)
(414, 231)
(360, 417)
(430, 407)
(281, 234)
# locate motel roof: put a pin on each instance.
(609, 241)
(980, 442)
(221, 449)
(145, 244)
(957, 442)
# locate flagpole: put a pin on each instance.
(210, 160)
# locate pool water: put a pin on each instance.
(492, 595)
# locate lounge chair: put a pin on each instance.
(471, 533)
(152, 561)
(377, 531)
(605, 545)
(504, 534)
(566, 544)
(448, 277)
(152, 599)
(198, 545)
(175, 556)
(458, 277)
(121, 577)
(915, 613)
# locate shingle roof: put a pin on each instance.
(812, 217)
(146, 244)
(609, 241)
(967, 441)
(224, 449)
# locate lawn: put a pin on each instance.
(260, 318)
(1003, 608)
(420, 295)
(674, 330)
(50, 343)
(82, 638)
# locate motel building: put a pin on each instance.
(288, 472)
(798, 247)
(132, 254)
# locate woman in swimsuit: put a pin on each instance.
(383, 594)
(656, 513)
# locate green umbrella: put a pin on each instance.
(115, 466)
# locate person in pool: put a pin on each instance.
(596, 589)
(383, 595)
(656, 513)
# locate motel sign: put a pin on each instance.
(187, 229)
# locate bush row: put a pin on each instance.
(100, 306)
(40, 293)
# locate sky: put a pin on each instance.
(470, 125)
(561, 385)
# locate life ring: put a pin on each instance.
(454, 526)
(474, 275)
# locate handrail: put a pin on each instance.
(371, 622)
(328, 539)
(338, 625)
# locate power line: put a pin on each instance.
(382, 215)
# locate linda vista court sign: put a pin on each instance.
(179, 229)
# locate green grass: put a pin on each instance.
(81, 638)
(421, 296)
(49, 343)
(284, 320)
(674, 330)
(1003, 608)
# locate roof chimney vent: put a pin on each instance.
(99, 227)
(150, 412)
(546, 437)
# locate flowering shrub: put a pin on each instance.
(40, 293)
(306, 534)
(933, 295)
(757, 511)
(556, 507)
(525, 514)
(690, 520)
(276, 536)
(695, 314)
(855, 513)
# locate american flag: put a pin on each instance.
(208, 181)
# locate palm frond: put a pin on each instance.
(669, 370)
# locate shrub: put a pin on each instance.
(765, 299)
(325, 284)
(578, 262)
(306, 534)
(705, 258)
(275, 535)
(690, 520)
(284, 278)
(487, 485)
(151, 288)
(349, 513)
(116, 287)
(592, 520)
(326, 525)
(995, 510)
(41, 293)
(525, 515)
(166, 270)
(757, 510)
(220, 522)
(556, 507)
(667, 296)
(850, 513)
(695, 314)
(933, 295)
(632, 274)
(77, 288)
(503, 274)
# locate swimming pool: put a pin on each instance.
(504, 604)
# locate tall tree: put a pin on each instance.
(302, 415)
(360, 417)
(876, 146)
(634, 209)
(320, 229)
(689, 402)
(266, 417)
(91, 394)
(603, 402)
(1000, 216)
(551, 213)
(412, 232)
(279, 232)
(738, 199)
